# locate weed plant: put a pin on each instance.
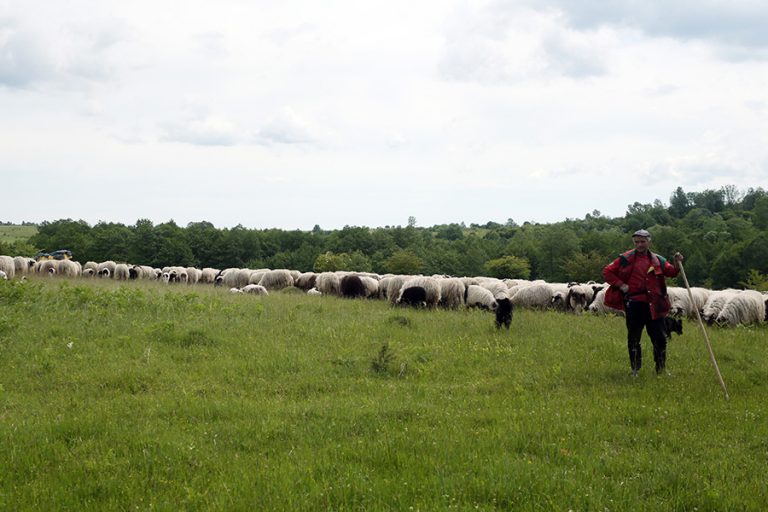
(149, 397)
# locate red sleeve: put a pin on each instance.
(610, 273)
(670, 270)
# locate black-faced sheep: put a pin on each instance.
(476, 296)
(415, 296)
(106, 269)
(428, 284)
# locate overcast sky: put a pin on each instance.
(291, 113)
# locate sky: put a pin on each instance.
(290, 114)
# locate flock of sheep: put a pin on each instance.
(721, 307)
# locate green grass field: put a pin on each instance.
(139, 396)
(13, 233)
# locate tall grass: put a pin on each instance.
(140, 396)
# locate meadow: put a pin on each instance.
(11, 233)
(149, 397)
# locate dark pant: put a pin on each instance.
(638, 315)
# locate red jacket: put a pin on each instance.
(619, 271)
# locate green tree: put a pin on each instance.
(331, 262)
(510, 267)
(583, 267)
(403, 261)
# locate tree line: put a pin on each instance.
(723, 233)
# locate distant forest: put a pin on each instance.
(722, 233)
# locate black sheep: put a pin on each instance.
(414, 296)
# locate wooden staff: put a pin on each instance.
(703, 330)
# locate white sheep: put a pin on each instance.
(254, 289)
(8, 266)
(535, 295)
(68, 268)
(389, 287)
(420, 286)
(193, 275)
(306, 280)
(23, 265)
(208, 275)
(744, 308)
(328, 283)
(3, 275)
(371, 285)
(121, 272)
(598, 304)
(314, 292)
(276, 279)
(234, 277)
(452, 291)
(46, 267)
(475, 296)
(715, 304)
(497, 287)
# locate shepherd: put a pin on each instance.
(638, 287)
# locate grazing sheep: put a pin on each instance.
(504, 312)
(351, 286)
(314, 292)
(497, 287)
(106, 269)
(208, 275)
(89, 272)
(430, 286)
(536, 295)
(744, 308)
(23, 265)
(276, 279)
(256, 275)
(476, 296)
(68, 268)
(415, 296)
(46, 267)
(91, 265)
(390, 286)
(598, 305)
(193, 275)
(681, 302)
(121, 272)
(371, 286)
(715, 304)
(255, 289)
(8, 266)
(306, 281)
(233, 277)
(328, 283)
(452, 293)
